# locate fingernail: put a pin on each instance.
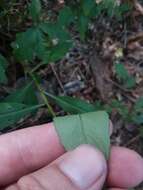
(84, 166)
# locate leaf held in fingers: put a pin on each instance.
(88, 128)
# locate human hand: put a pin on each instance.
(34, 159)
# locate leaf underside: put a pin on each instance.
(88, 128)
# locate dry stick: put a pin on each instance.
(123, 90)
(57, 77)
(138, 7)
(132, 141)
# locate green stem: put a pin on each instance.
(37, 67)
(50, 109)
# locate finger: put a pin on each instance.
(73, 171)
(24, 151)
(27, 150)
(125, 168)
(116, 189)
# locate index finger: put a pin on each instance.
(26, 150)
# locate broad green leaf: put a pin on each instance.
(55, 31)
(125, 7)
(58, 51)
(72, 105)
(87, 6)
(60, 41)
(121, 10)
(25, 95)
(138, 119)
(65, 16)
(3, 66)
(11, 113)
(88, 128)
(35, 9)
(82, 26)
(96, 11)
(139, 104)
(29, 44)
(111, 6)
(121, 71)
(3, 61)
(130, 82)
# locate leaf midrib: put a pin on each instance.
(82, 110)
(20, 111)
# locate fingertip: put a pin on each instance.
(40, 145)
(125, 168)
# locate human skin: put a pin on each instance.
(37, 152)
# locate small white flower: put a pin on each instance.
(55, 41)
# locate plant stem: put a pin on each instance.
(37, 67)
(50, 109)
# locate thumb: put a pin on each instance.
(81, 169)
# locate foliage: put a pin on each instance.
(75, 130)
(72, 105)
(43, 41)
(35, 9)
(123, 75)
(3, 66)
(25, 95)
(11, 113)
(47, 41)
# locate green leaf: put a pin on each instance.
(25, 95)
(11, 113)
(35, 10)
(58, 51)
(82, 26)
(87, 6)
(29, 44)
(60, 41)
(48, 42)
(88, 128)
(55, 31)
(139, 104)
(138, 118)
(123, 75)
(121, 71)
(65, 16)
(3, 66)
(121, 10)
(130, 82)
(72, 105)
